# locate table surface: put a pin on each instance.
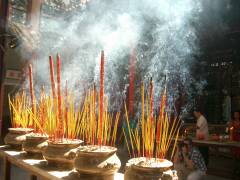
(39, 168)
(224, 143)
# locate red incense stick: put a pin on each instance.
(31, 86)
(59, 97)
(151, 115)
(131, 81)
(101, 98)
(94, 111)
(31, 91)
(52, 76)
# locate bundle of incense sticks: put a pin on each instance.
(20, 109)
(98, 129)
(89, 123)
(47, 113)
(153, 135)
(162, 115)
(57, 101)
(56, 116)
(101, 128)
(22, 115)
(34, 120)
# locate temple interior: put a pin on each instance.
(120, 90)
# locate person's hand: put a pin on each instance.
(177, 149)
(184, 150)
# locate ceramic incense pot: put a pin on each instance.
(16, 137)
(61, 154)
(97, 162)
(143, 168)
(35, 143)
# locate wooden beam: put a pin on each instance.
(33, 14)
(33, 19)
(4, 12)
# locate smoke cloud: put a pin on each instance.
(162, 32)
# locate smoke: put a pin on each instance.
(163, 33)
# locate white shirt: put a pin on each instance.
(202, 127)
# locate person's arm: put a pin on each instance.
(188, 161)
(176, 157)
(200, 123)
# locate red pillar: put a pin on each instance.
(4, 10)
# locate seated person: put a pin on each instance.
(189, 162)
(235, 125)
(201, 125)
(202, 133)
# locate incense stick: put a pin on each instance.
(52, 76)
(60, 120)
(101, 98)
